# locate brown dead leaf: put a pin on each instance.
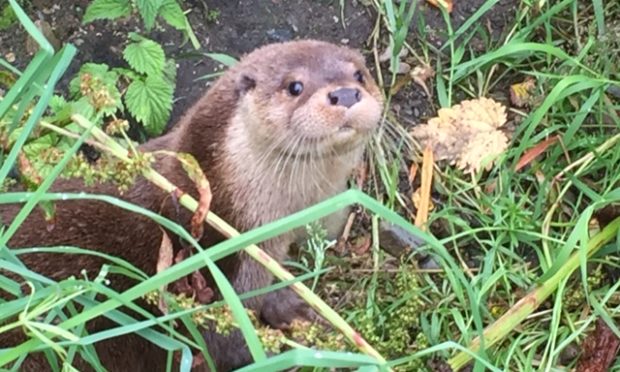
(360, 245)
(204, 294)
(532, 153)
(490, 187)
(521, 93)
(165, 253)
(164, 261)
(447, 4)
(467, 134)
(599, 349)
(425, 188)
(196, 174)
(195, 285)
(421, 74)
(413, 171)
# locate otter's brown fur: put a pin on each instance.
(267, 153)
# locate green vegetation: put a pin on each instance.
(526, 261)
(151, 77)
(7, 16)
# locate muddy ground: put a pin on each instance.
(237, 27)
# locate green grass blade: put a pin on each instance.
(599, 15)
(31, 28)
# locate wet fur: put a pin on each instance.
(253, 182)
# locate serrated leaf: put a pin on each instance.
(57, 103)
(150, 102)
(148, 10)
(173, 14)
(96, 70)
(82, 106)
(145, 56)
(107, 9)
(170, 72)
(127, 72)
(102, 80)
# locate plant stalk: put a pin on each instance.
(524, 307)
(253, 250)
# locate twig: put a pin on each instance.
(253, 250)
(522, 309)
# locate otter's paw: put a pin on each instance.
(283, 306)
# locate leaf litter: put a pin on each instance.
(468, 135)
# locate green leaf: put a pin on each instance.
(170, 72)
(97, 71)
(107, 9)
(102, 79)
(57, 103)
(7, 17)
(150, 102)
(148, 10)
(224, 59)
(173, 14)
(127, 73)
(145, 56)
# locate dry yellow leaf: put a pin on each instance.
(521, 93)
(467, 134)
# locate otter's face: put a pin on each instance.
(313, 98)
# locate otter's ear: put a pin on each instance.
(245, 83)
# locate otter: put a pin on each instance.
(279, 131)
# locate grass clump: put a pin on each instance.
(526, 259)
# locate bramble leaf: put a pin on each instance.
(148, 10)
(150, 102)
(170, 72)
(106, 9)
(98, 83)
(173, 14)
(145, 56)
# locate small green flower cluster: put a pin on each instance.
(395, 332)
(107, 169)
(314, 334)
(221, 320)
(97, 92)
(117, 126)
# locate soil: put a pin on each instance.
(237, 27)
(240, 26)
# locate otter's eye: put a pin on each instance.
(295, 88)
(359, 76)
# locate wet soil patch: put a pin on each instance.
(237, 27)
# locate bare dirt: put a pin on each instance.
(237, 27)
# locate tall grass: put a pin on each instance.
(514, 256)
(512, 232)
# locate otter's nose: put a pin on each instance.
(346, 97)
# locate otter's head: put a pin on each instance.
(307, 98)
